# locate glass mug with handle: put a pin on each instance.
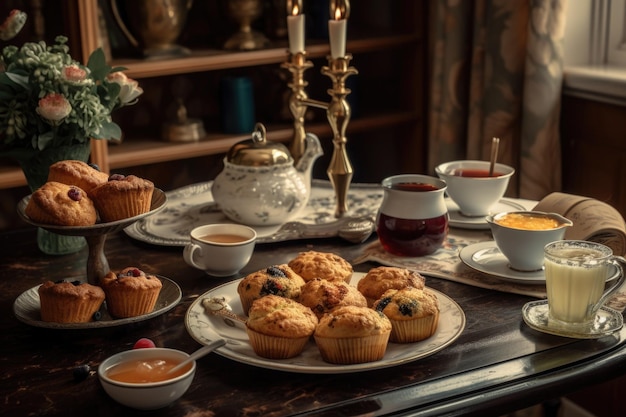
(576, 279)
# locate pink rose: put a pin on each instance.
(130, 89)
(54, 107)
(74, 73)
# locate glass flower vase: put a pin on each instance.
(35, 166)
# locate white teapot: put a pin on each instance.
(260, 186)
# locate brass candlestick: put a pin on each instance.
(338, 113)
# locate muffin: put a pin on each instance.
(61, 205)
(310, 265)
(131, 292)
(122, 197)
(378, 280)
(351, 334)
(78, 173)
(279, 327)
(413, 313)
(69, 302)
(322, 296)
(275, 280)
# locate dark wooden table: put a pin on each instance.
(497, 365)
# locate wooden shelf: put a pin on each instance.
(213, 59)
(149, 151)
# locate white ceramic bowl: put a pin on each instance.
(474, 195)
(146, 396)
(524, 247)
(220, 258)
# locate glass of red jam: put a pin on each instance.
(413, 217)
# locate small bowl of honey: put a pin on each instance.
(139, 378)
(522, 235)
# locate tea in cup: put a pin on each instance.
(220, 250)
(413, 218)
(471, 187)
(576, 277)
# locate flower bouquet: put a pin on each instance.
(51, 106)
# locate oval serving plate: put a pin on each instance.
(206, 328)
(26, 309)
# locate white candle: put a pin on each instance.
(295, 31)
(337, 34)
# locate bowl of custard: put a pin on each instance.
(139, 378)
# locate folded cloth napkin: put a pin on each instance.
(594, 220)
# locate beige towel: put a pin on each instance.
(594, 220)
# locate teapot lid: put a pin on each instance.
(258, 151)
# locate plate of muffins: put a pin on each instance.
(127, 296)
(314, 314)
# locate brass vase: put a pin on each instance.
(244, 12)
(153, 25)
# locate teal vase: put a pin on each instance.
(35, 166)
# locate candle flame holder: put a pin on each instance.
(338, 113)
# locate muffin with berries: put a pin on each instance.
(61, 205)
(69, 302)
(275, 280)
(413, 313)
(122, 197)
(130, 292)
(279, 327)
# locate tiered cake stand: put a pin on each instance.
(97, 264)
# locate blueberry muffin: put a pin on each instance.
(322, 296)
(413, 313)
(274, 280)
(378, 280)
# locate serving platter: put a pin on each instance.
(26, 308)
(205, 328)
(193, 205)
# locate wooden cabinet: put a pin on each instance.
(594, 150)
(386, 134)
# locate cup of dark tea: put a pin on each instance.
(472, 188)
(413, 218)
(220, 250)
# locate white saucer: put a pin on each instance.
(485, 257)
(478, 222)
(607, 321)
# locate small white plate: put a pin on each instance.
(607, 321)
(485, 257)
(27, 309)
(465, 222)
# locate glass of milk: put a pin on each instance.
(576, 279)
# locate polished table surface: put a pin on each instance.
(498, 364)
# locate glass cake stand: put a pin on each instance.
(97, 264)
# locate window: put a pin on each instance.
(595, 50)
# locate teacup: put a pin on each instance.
(576, 274)
(470, 186)
(220, 250)
(522, 235)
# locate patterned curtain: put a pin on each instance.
(496, 71)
